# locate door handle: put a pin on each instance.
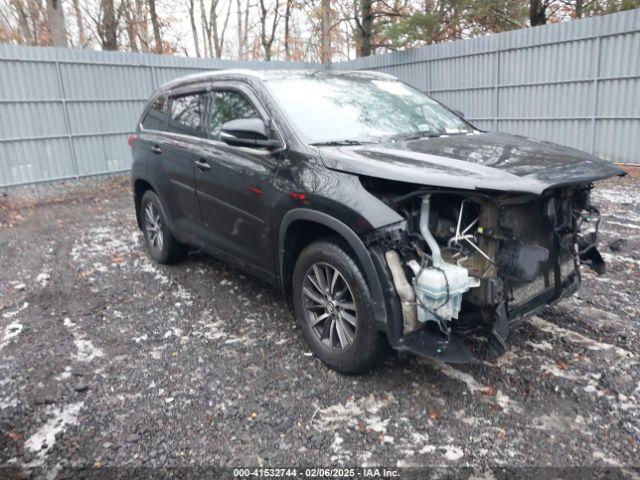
(156, 149)
(202, 165)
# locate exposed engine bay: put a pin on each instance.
(465, 261)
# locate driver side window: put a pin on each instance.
(227, 105)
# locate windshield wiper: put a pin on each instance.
(414, 136)
(417, 135)
(339, 143)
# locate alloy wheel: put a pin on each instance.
(153, 227)
(329, 306)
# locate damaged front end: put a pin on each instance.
(465, 261)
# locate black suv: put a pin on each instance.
(387, 217)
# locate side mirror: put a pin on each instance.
(248, 132)
(458, 112)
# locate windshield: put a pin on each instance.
(328, 109)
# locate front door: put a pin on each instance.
(234, 186)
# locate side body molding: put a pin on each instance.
(380, 314)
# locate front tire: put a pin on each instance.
(160, 242)
(334, 308)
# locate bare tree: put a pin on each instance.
(142, 24)
(268, 32)
(194, 30)
(56, 24)
(538, 12)
(287, 30)
(82, 36)
(29, 21)
(364, 34)
(157, 35)
(325, 31)
(108, 27)
(212, 31)
(130, 23)
(218, 33)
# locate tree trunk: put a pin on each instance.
(143, 25)
(245, 29)
(157, 35)
(366, 28)
(206, 33)
(23, 22)
(537, 12)
(218, 35)
(82, 36)
(325, 31)
(267, 35)
(239, 29)
(130, 24)
(194, 30)
(109, 26)
(57, 25)
(287, 31)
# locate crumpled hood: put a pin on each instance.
(491, 161)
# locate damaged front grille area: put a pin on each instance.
(464, 261)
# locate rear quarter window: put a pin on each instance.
(157, 115)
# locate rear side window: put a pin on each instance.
(186, 114)
(226, 106)
(156, 117)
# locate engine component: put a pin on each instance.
(521, 262)
(405, 291)
(440, 286)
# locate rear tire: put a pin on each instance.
(160, 242)
(334, 308)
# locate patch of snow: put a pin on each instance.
(609, 257)
(86, 351)
(556, 371)
(11, 331)
(542, 346)
(577, 338)
(64, 375)
(43, 279)
(173, 332)
(24, 306)
(472, 384)
(449, 452)
(45, 437)
(606, 459)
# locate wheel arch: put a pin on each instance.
(322, 224)
(140, 186)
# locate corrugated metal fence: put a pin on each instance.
(66, 113)
(575, 83)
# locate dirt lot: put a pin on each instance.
(107, 359)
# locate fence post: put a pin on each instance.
(154, 78)
(496, 91)
(67, 121)
(596, 83)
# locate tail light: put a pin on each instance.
(132, 139)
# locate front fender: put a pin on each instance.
(354, 241)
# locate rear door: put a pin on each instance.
(177, 154)
(234, 184)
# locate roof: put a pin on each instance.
(263, 75)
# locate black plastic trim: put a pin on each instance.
(379, 311)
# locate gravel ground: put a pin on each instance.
(107, 359)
